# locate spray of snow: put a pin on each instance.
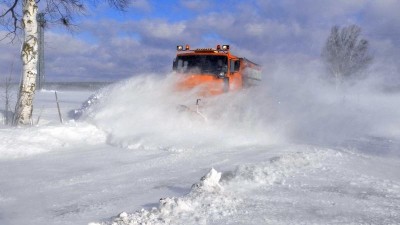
(293, 104)
(146, 112)
(313, 111)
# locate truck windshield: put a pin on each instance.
(201, 64)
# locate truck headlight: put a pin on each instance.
(222, 75)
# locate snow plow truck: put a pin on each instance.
(214, 71)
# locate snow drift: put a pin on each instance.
(18, 142)
(218, 195)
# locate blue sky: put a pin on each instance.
(111, 45)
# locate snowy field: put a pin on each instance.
(281, 153)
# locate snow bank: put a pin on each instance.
(22, 142)
(206, 197)
(217, 196)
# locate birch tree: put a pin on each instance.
(345, 54)
(57, 11)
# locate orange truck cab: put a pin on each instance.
(214, 71)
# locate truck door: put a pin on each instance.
(235, 78)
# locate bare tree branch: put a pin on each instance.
(119, 4)
(56, 11)
(11, 9)
(13, 31)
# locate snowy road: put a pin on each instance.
(275, 185)
(124, 156)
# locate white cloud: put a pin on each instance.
(161, 29)
(196, 5)
(143, 5)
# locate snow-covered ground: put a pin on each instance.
(293, 153)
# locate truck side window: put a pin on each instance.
(237, 65)
(234, 65)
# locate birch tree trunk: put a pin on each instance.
(29, 55)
